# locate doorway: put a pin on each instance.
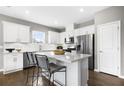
(108, 45)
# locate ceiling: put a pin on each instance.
(54, 16)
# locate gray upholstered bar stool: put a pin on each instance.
(49, 68)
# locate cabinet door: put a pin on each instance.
(70, 33)
(24, 33)
(91, 29)
(19, 63)
(53, 37)
(77, 32)
(10, 31)
(49, 37)
(9, 62)
(62, 37)
(57, 38)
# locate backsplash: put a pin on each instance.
(30, 47)
(48, 46)
(23, 47)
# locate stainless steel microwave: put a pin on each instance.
(69, 41)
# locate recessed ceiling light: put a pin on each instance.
(81, 10)
(27, 12)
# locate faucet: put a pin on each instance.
(40, 47)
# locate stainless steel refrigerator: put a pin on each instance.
(85, 45)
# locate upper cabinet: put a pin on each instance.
(53, 37)
(10, 32)
(24, 33)
(15, 32)
(70, 31)
(85, 30)
(62, 37)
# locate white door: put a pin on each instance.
(108, 35)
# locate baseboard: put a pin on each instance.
(11, 71)
(121, 76)
(96, 70)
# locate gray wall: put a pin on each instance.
(80, 25)
(87, 23)
(113, 14)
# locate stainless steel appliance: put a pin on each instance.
(69, 40)
(85, 45)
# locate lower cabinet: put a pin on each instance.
(13, 62)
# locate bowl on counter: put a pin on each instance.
(18, 50)
(59, 52)
(10, 49)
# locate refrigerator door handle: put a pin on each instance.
(101, 51)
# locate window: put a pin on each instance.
(38, 37)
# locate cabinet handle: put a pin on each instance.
(101, 51)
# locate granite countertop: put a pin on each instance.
(68, 58)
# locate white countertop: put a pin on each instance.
(10, 52)
(69, 58)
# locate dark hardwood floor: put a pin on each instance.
(19, 79)
(102, 79)
(95, 79)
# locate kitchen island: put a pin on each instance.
(77, 67)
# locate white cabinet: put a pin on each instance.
(9, 63)
(85, 30)
(77, 32)
(62, 37)
(24, 33)
(13, 62)
(70, 31)
(53, 37)
(10, 32)
(15, 32)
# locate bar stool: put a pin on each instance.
(31, 63)
(49, 68)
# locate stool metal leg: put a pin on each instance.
(37, 76)
(50, 79)
(27, 77)
(33, 77)
(53, 79)
(65, 77)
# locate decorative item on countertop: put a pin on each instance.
(18, 50)
(59, 52)
(59, 47)
(10, 49)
